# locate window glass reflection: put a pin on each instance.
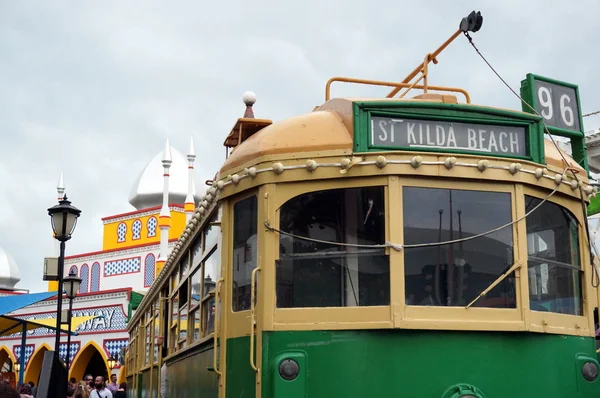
(455, 274)
(553, 263)
(245, 214)
(312, 274)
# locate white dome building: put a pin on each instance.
(9, 271)
(147, 190)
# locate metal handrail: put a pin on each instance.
(253, 315)
(397, 85)
(216, 332)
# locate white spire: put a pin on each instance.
(167, 153)
(165, 214)
(190, 205)
(60, 188)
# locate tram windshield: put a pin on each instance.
(455, 274)
(315, 274)
(554, 265)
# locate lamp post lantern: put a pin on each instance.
(72, 283)
(112, 362)
(64, 218)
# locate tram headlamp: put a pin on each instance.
(289, 369)
(589, 370)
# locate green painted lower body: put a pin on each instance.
(401, 363)
(190, 376)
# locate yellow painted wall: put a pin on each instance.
(111, 241)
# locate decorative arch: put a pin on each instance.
(5, 354)
(136, 230)
(74, 268)
(121, 232)
(149, 267)
(81, 360)
(85, 276)
(34, 366)
(152, 224)
(95, 279)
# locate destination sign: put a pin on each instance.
(397, 132)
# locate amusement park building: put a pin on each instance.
(134, 248)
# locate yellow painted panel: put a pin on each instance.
(53, 286)
(111, 238)
(353, 317)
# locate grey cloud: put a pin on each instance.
(94, 88)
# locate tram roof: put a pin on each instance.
(330, 128)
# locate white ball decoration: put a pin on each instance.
(278, 168)
(574, 184)
(558, 179)
(381, 161)
(482, 165)
(450, 162)
(514, 168)
(416, 161)
(249, 98)
(311, 165)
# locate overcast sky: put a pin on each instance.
(93, 88)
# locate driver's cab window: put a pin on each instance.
(245, 214)
(554, 265)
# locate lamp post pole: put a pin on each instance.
(61, 266)
(69, 319)
(72, 284)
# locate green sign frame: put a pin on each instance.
(434, 111)
(576, 136)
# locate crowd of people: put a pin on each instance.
(89, 387)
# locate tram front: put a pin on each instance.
(413, 247)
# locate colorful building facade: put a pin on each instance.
(133, 250)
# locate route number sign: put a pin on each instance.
(556, 102)
(559, 106)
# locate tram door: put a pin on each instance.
(242, 323)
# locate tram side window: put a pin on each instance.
(455, 274)
(245, 214)
(315, 274)
(554, 265)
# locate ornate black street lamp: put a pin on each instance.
(64, 218)
(72, 283)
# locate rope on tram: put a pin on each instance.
(399, 247)
(595, 272)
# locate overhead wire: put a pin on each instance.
(595, 273)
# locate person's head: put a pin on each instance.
(123, 386)
(88, 379)
(72, 380)
(99, 382)
(31, 384)
(82, 390)
(25, 389)
(113, 378)
(7, 391)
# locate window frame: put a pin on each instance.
(552, 322)
(330, 317)
(462, 318)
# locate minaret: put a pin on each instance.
(164, 220)
(60, 189)
(189, 205)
